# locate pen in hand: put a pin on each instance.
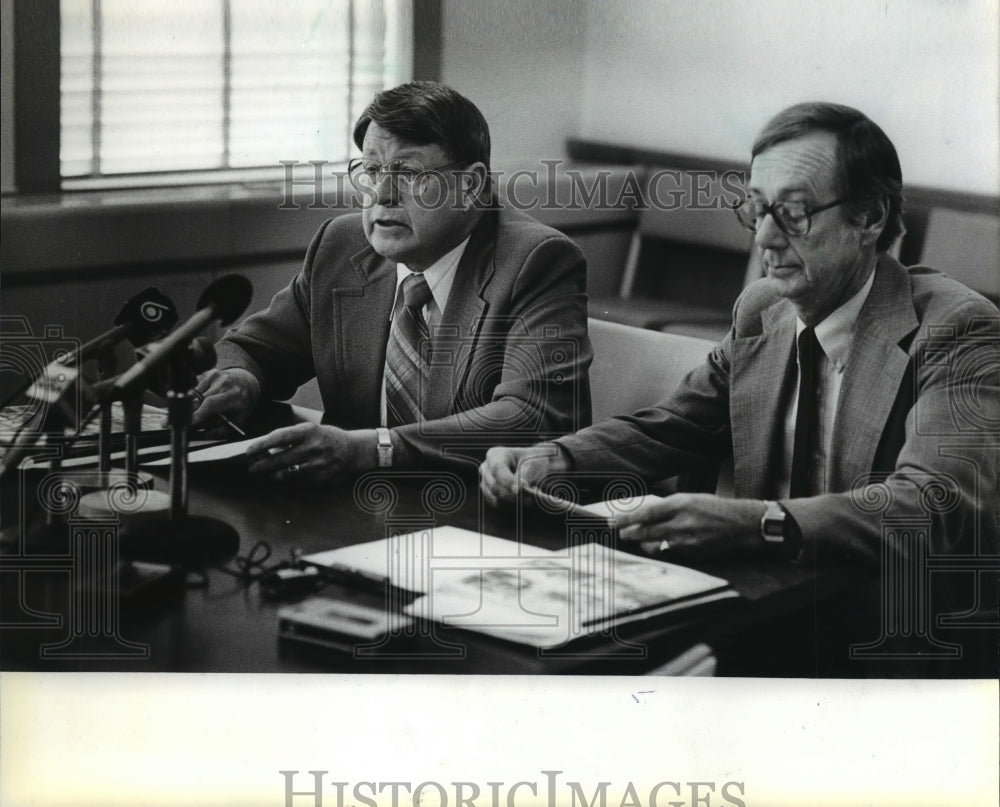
(201, 397)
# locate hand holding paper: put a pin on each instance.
(507, 471)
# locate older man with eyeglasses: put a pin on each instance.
(854, 396)
(437, 322)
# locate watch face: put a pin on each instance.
(774, 529)
(772, 526)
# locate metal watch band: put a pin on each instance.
(384, 447)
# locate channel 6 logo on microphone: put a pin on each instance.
(38, 380)
(504, 383)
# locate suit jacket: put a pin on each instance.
(914, 432)
(509, 360)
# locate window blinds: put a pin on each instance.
(181, 85)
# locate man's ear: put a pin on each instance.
(473, 182)
(875, 220)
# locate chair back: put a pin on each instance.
(966, 246)
(636, 367)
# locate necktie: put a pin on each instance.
(405, 372)
(806, 416)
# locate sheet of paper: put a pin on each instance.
(549, 600)
(13, 417)
(613, 507)
(223, 451)
(409, 561)
(607, 509)
(146, 457)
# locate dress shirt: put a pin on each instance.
(835, 335)
(440, 276)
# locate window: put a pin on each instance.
(217, 85)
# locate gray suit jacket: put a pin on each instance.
(914, 432)
(509, 361)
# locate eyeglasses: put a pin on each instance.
(792, 218)
(408, 178)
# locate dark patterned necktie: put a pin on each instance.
(802, 483)
(405, 372)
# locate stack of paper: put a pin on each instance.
(522, 593)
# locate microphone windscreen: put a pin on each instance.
(229, 296)
(202, 354)
(122, 358)
(149, 315)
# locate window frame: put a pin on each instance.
(36, 102)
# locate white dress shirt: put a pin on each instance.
(835, 335)
(440, 276)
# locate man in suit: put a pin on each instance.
(437, 322)
(884, 419)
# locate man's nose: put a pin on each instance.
(386, 189)
(769, 235)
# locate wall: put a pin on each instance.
(702, 76)
(6, 96)
(522, 64)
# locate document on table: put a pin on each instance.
(216, 453)
(548, 601)
(519, 592)
(615, 507)
(408, 561)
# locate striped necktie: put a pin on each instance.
(405, 373)
(802, 483)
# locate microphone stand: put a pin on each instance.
(132, 410)
(179, 539)
(104, 445)
(179, 415)
(106, 476)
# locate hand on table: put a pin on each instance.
(232, 393)
(695, 525)
(505, 471)
(309, 452)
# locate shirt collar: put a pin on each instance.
(439, 275)
(836, 331)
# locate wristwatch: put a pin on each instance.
(772, 524)
(384, 447)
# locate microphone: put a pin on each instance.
(224, 300)
(60, 389)
(201, 354)
(144, 318)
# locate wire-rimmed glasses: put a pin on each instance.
(408, 177)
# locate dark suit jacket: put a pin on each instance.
(509, 361)
(914, 433)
